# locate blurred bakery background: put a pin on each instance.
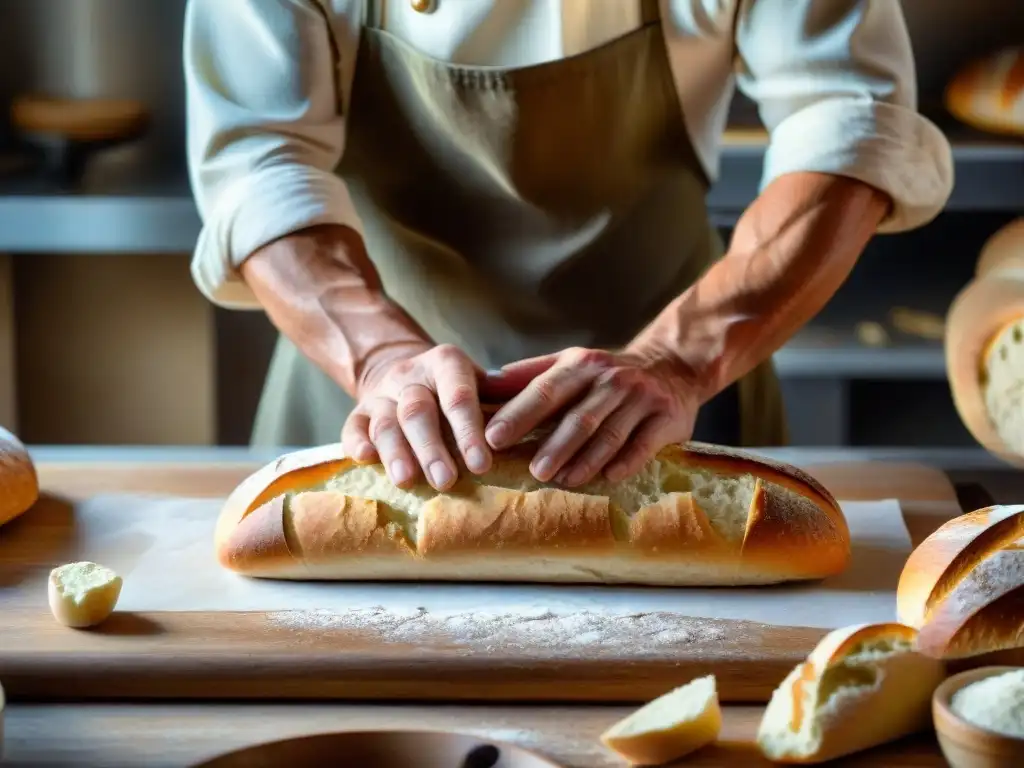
(105, 340)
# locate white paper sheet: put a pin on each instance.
(164, 550)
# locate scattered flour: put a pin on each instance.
(537, 629)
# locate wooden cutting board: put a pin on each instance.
(247, 655)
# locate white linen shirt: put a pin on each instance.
(833, 80)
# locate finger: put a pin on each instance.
(355, 436)
(391, 445)
(545, 396)
(578, 426)
(653, 435)
(507, 382)
(421, 422)
(455, 382)
(605, 445)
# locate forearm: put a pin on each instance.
(320, 289)
(790, 252)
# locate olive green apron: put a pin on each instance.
(517, 212)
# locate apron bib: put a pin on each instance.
(517, 212)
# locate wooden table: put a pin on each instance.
(104, 734)
(130, 736)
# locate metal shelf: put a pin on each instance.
(989, 177)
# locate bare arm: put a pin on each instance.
(790, 252)
(320, 290)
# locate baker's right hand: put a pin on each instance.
(398, 418)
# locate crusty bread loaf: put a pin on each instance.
(862, 686)
(963, 586)
(671, 726)
(696, 514)
(985, 347)
(989, 93)
(19, 485)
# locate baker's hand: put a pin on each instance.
(618, 410)
(398, 417)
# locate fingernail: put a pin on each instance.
(440, 474)
(476, 459)
(497, 434)
(494, 373)
(400, 472)
(542, 469)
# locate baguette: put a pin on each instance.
(862, 686)
(695, 515)
(963, 587)
(676, 724)
(19, 485)
(988, 93)
(985, 346)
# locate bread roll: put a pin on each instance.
(985, 347)
(83, 594)
(19, 486)
(861, 686)
(694, 515)
(673, 725)
(963, 586)
(989, 93)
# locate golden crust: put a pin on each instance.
(963, 586)
(979, 314)
(983, 614)
(19, 484)
(277, 524)
(988, 93)
(943, 559)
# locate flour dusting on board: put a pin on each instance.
(644, 633)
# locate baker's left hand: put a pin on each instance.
(617, 410)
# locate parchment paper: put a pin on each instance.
(164, 550)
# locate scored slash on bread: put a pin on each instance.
(696, 514)
(963, 586)
(862, 686)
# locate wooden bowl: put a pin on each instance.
(79, 120)
(382, 749)
(964, 744)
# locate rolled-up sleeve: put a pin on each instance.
(835, 84)
(265, 132)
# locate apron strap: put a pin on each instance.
(650, 12)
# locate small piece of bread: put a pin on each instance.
(988, 93)
(19, 485)
(861, 686)
(963, 586)
(669, 727)
(83, 594)
(694, 515)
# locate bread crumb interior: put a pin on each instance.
(821, 701)
(1003, 384)
(725, 499)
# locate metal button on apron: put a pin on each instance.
(423, 6)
